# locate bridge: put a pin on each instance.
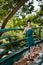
(15, 53)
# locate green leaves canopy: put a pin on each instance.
(6, 6)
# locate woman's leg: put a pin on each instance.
(31, 52)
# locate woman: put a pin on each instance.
(29, 39)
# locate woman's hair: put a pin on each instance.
(28, 21)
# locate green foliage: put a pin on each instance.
(6, 6)
(2, 0)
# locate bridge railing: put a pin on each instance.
(18, 48)
(37, 32)
(15, 56)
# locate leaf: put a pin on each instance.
(2, 0)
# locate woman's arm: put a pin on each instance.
(22, 32)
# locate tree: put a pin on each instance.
(14, 10)
(39, 16)
(12, 13)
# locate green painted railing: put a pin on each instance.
(10, 29)
(20, 48)
(7, 37)
(13, 42)
(9, 60)
(15, 56)
(5, 52)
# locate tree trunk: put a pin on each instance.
(12, 13)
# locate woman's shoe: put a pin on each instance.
(31, 59)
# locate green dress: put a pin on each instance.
(29, 37)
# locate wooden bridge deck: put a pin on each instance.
(38, 59)
(24, 60)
